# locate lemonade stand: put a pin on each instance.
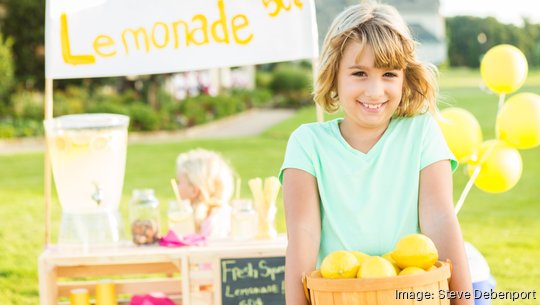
(87, 152)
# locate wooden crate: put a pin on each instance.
(149, 269)
(188, 275)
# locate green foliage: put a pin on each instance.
(143, 117)
(466, 34)
(25, 23)
(6, 67)
(291, 85)
(27, 105)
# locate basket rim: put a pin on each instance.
(315, 282)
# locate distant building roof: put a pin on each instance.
(422, 35)
(415, 6)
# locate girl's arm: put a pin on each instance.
(302, 215)
(439, 222)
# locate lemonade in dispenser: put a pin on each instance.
(88, 156)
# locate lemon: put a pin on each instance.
(360, 256)
(411, 270)
(339, 264)
(415, 250)
(388, 257)
(376, 266)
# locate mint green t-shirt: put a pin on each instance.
(367, 200)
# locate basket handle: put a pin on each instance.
(306, 289)
(451, 269)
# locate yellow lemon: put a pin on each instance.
(376, 266)
(388, 257)
(411, 270)
(360, 256)
(339, 264)
(415, 250)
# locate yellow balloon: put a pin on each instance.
(518, 121)
(504, 68)
(500, 167)
(461, 131)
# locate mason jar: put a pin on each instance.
(144, 217)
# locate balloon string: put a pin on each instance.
(476, 172)
(467, 189)
(501, 101)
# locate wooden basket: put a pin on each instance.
(399, 290)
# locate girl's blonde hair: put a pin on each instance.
(380, 27)
(209, 172)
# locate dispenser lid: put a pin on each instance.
(89, 121)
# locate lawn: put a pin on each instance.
(504, 227)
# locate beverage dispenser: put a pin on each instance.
(88, 155)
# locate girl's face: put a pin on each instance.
(186, 189)
(369, 96)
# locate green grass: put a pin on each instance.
(504, 227)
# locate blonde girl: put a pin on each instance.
(206, 179)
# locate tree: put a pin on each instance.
(6, 70)
(469, 38)
(24, 22)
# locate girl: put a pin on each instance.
(382, 171)
(207, 181)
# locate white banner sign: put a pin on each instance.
(93, 38)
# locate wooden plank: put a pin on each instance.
(177, 299)
(118, 269)
(47, 282)
(131, 286)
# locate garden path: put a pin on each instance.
(249, 123)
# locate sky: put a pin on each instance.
(506, 11)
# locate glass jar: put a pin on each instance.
(244, 224)
(180, 217)
(144, 217)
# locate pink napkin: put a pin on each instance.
(171, 240)
(151, 299)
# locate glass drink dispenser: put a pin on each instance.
(88, 156)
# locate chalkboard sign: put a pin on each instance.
(253, 281)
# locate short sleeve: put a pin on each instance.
(434, 146)
(299, 152)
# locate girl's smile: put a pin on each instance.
(369, 95)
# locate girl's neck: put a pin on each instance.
(359, 137)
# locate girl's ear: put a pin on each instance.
(195, 193)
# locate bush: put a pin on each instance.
(72, 100)
(6, 67)
(6, 130)
(27, 105)
(193, 110)
(143, 117)
(291, 86)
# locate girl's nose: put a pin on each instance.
(375, 89)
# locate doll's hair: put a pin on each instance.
(380, 27)
(208, 172)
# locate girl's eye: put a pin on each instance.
(359, 73)
(390, 74)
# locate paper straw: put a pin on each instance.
(175, 190)
(238, 185)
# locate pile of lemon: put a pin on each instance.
(414, 253)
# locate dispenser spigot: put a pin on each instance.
(97, 196)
